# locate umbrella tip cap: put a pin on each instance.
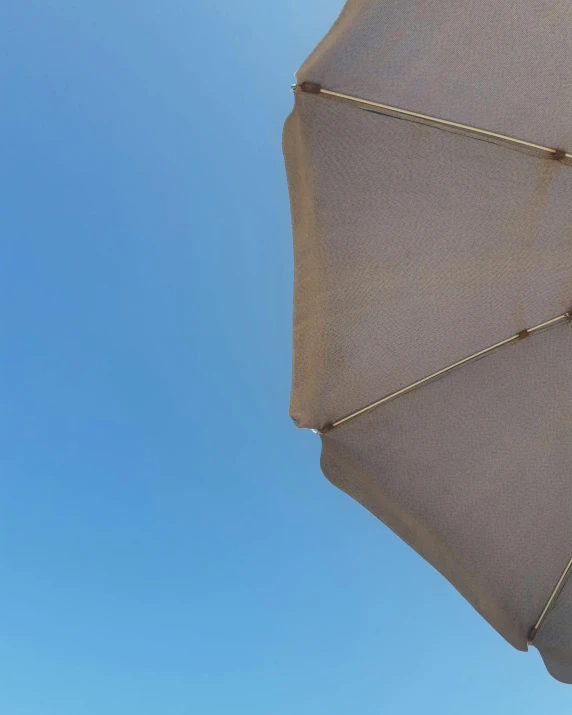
(310, 87)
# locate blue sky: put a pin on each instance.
(167, 541)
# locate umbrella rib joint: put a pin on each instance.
(553, 322)
(317, 89)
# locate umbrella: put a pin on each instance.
(429, 173)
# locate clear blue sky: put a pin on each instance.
(168, 543)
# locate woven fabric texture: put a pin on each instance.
(415, 247)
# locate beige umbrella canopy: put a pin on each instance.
(431, 197)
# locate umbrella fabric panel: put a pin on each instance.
(501, 66)
(414, 248)
(473, 471)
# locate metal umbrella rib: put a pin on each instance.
(314, 88)
(553, 322)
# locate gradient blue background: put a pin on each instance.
(167, 542)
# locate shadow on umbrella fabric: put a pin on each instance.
(430, 175)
